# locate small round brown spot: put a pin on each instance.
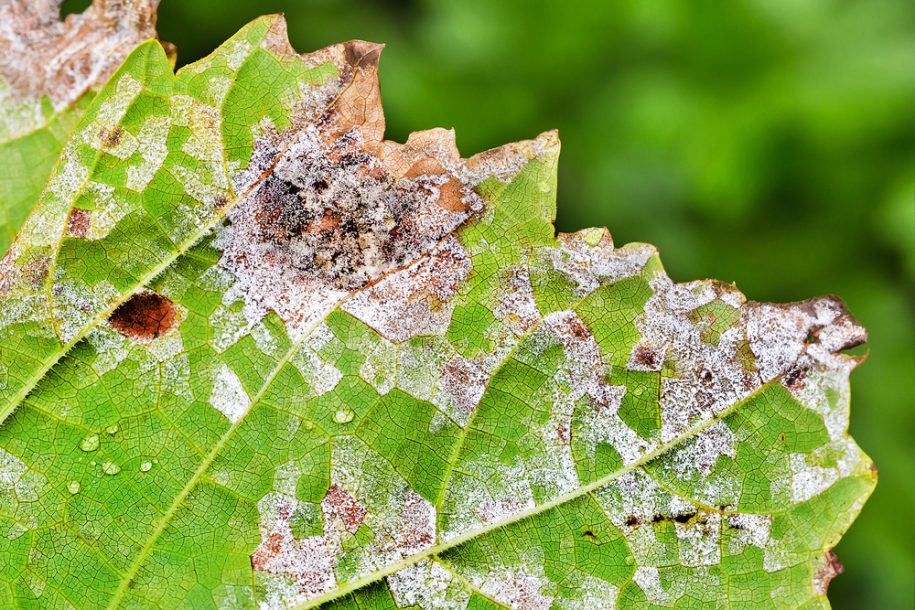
(144, 316)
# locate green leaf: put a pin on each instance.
(254, 355)
(47, 79)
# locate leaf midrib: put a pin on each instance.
(471, 534)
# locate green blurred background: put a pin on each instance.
(766, 142)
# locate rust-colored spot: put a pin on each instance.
(646, 357)
(78, 222)
(830, 568)
(144, 316)
(271, 547)
(110, 137)
(563, 432)
(341, 504)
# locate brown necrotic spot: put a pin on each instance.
(111, 137)
(144, 316)
(78, 222)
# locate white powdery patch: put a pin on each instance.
(404, 522)
(826, 390)
(590, 593)
(109, 209)
(111, 348)
(379, 369)
(205, 180)
(321, 376)
(493, 493)
(162, 362)
(152, 144)
(516, 307)
(697, 457)
(109, 116)
(587, 377)
(699, 540)
(46, 225)
(417, 300)
(19, 116)
(648, 578)
(166, 356)
(291, 570)
(709, 378)
(632, 502)
(519, 587)
(428, 586)
(463, 381)
(588, 265)
(806, 477)
(228, 395)
(747, 529)
(19, 490)
(780, 334)
(551, 467)
(236, 52)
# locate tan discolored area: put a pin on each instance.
(332, 208)
(144, 317)
(830, 568)
(44, 55)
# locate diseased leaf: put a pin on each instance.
(255, 355)
(49, 74)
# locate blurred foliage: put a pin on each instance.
(766, 142)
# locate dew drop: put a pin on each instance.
(146, 466)
(112, 429)
(90, 443)
(344, 416)
(73, 487)
(309, 425)
(110, 468)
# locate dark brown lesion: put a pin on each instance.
(144, 316)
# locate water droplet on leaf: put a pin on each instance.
(90, 443)
(146, 466)
(110, 468)
(73, 487)
(112, 429)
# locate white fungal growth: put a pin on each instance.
(648, 578)
(429, 586)
(699, 540)
(588, 265)
(229, 396)
(417, 300)
(518, 587)
(330, 219)
(19, 490)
